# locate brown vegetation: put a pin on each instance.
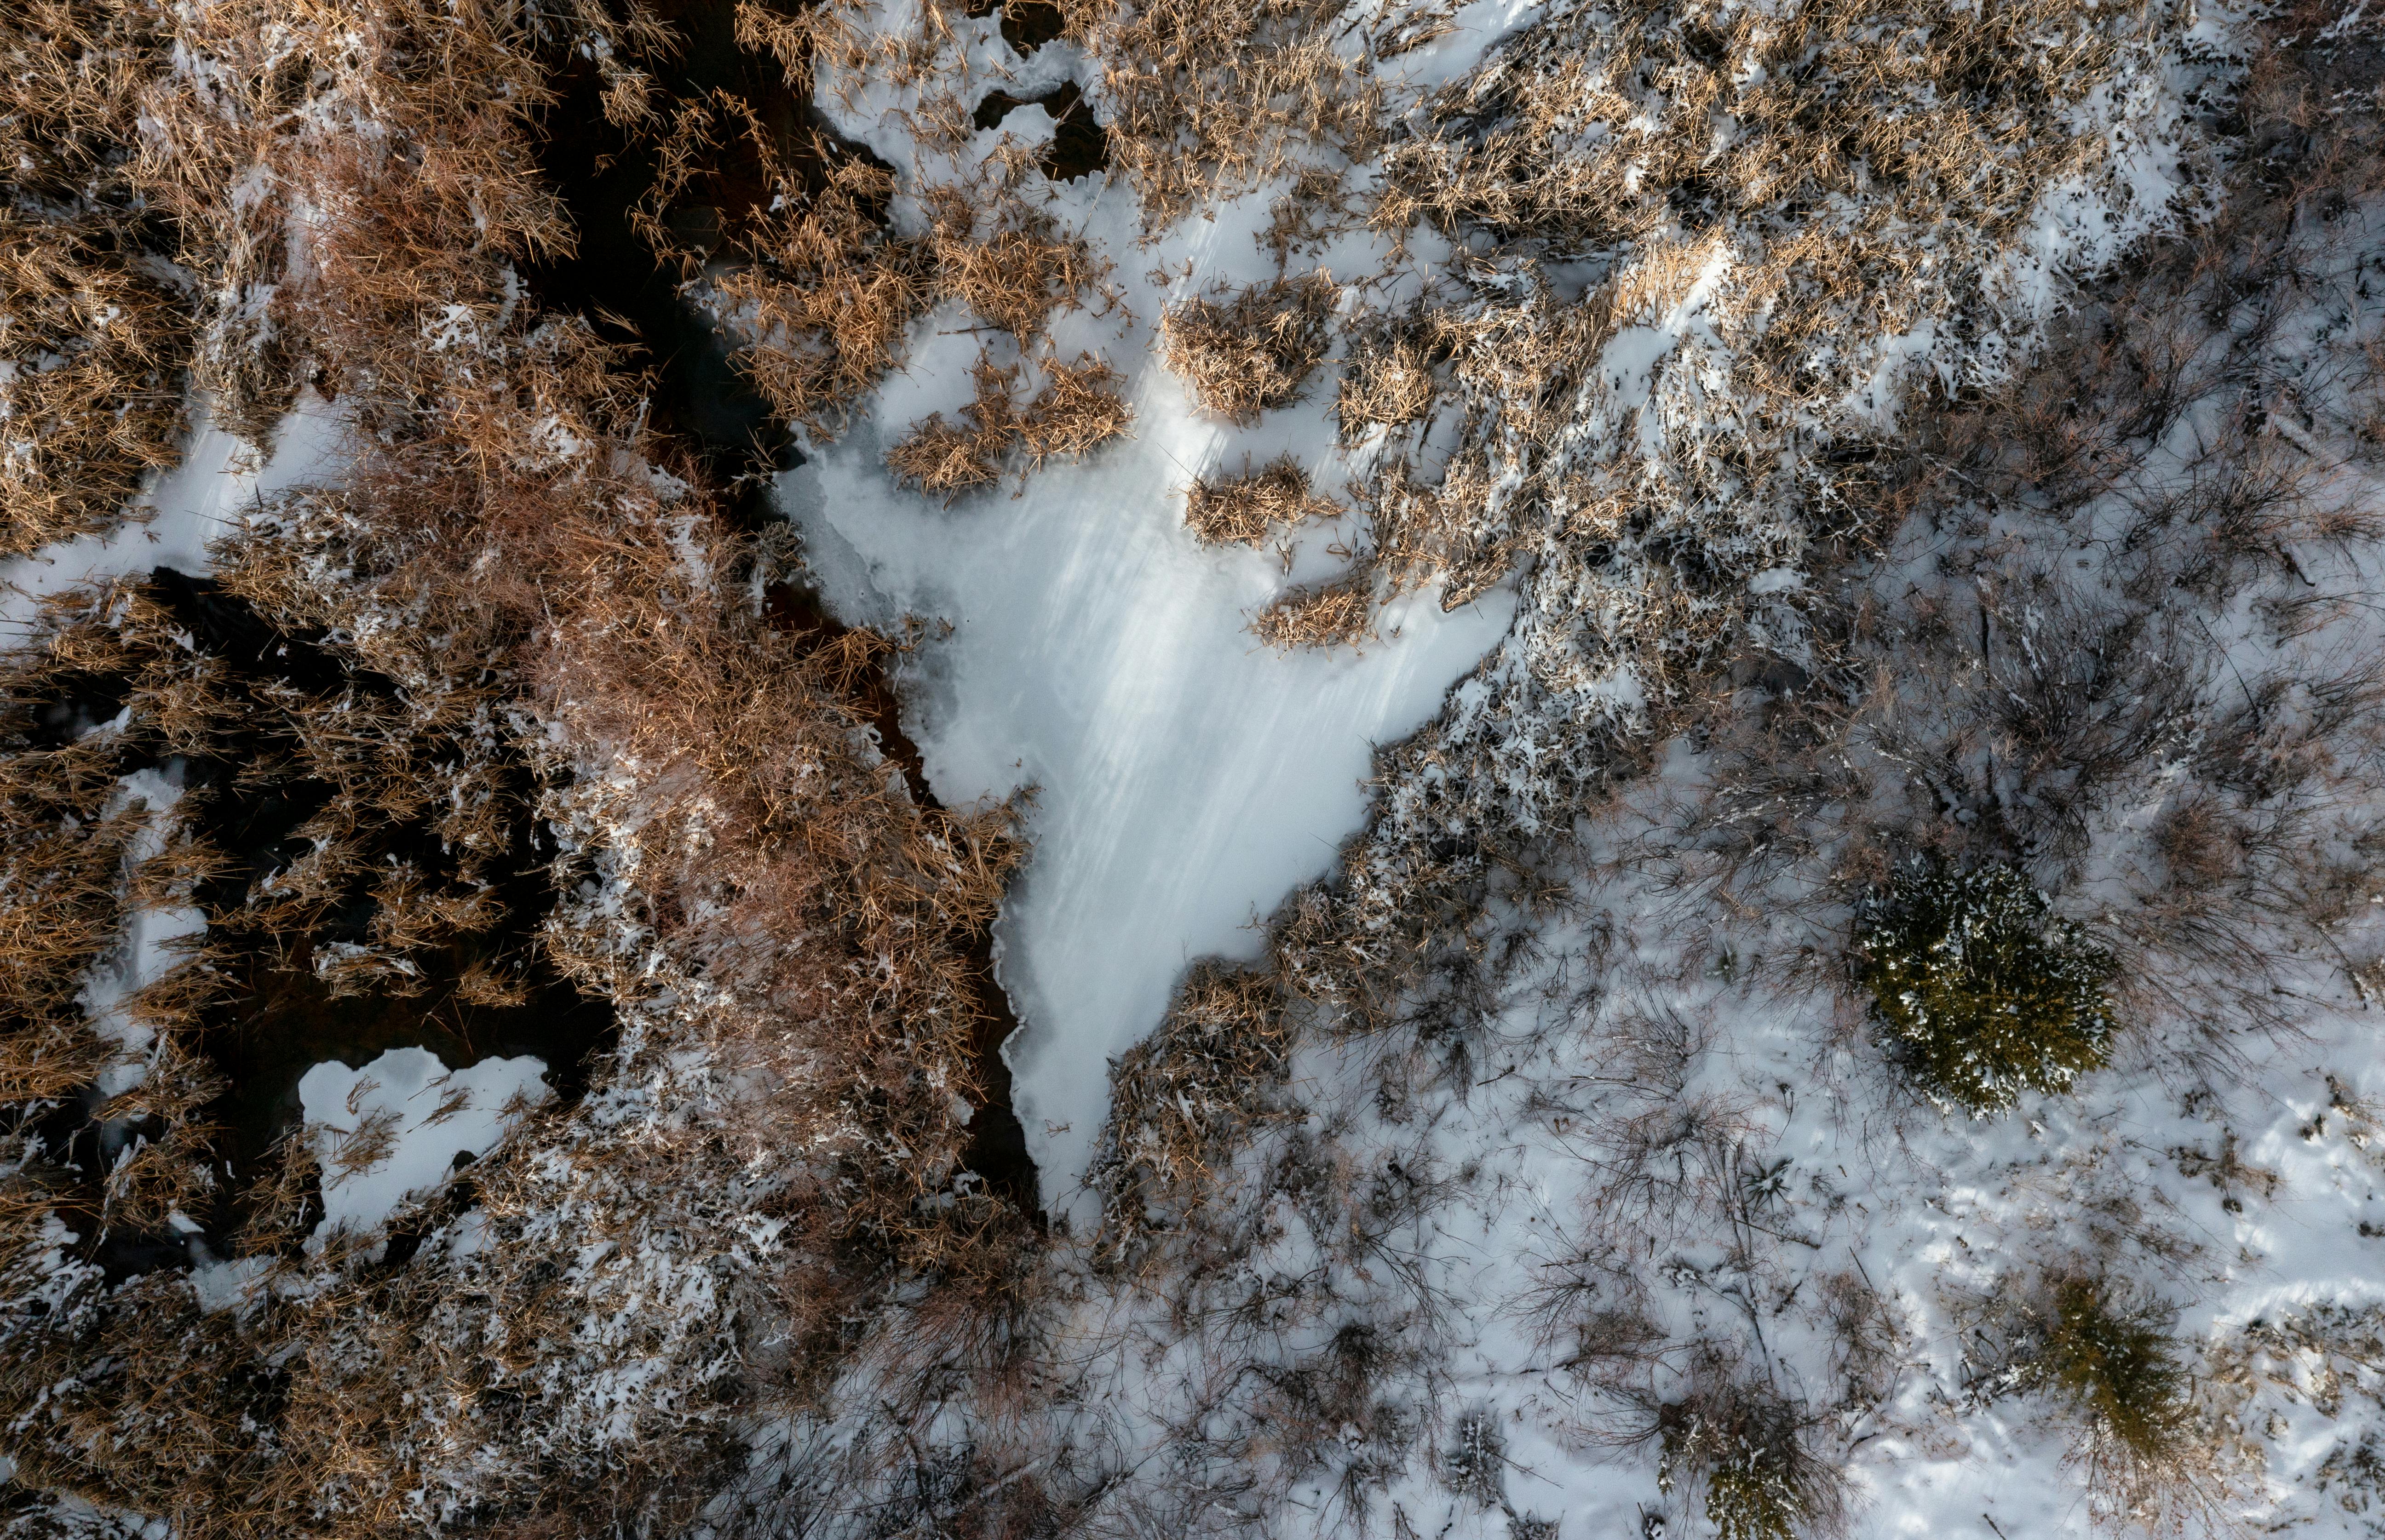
(785, 933)
(93, 341)
(1332, 615)
(1077, 408)
(1252, 351)
(1240, 510)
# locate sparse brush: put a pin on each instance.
(1744, 1442)
(1240, 510)
(1338, 613)
(1183, 1098)
(1249, 353)
(1982, 992)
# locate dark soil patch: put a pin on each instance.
(1081, 142)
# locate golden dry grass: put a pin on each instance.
(1338, 613)
(1241, 509)
(791, 940)
(1248, 352)
(93, 342)
(1077, 408)
(1212, 98)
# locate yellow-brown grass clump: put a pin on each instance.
(1251, 353)
(1016, 277)
(1338, 613)
(1240, 510)
(776, 1140)
(1207, 98)
(92, 339)
(1077, 408)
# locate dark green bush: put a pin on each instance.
(2113, 1357)
(1983, 991)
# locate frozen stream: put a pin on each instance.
(1187, 778)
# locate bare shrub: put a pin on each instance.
(1744, 1443)
(1241, 509)
(1250, 353)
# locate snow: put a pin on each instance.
(147, 947)
(1186, 777)
(432, 1115)
(187, 507)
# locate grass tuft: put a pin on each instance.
(1251, 353)
(1240, 510)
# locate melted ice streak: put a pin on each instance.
(1186, 777)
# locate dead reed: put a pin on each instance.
(1241, 509)
(1252, 351)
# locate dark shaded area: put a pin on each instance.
(1026, 25)
(1081, 142)
(248, 795)
(700, 402)
(997, 1146)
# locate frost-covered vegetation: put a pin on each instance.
(1932, 454)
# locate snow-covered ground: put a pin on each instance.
(404, 1122)
(1186, 777)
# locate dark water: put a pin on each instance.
(1080, 144)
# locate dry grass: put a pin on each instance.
(93, 341)
(1389, 379)
(828, 293)
(784, 932)
(1077, 409)
(1240, 510)
(1339, 613)
(1206, 99)
(1014, 278)
(1249, 352)
(1183, 1100)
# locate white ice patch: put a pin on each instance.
(195, 503)
(396, 1126)
(1187, 776)
(151, 942)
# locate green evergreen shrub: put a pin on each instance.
(2113, 1357)
(1983, 991)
